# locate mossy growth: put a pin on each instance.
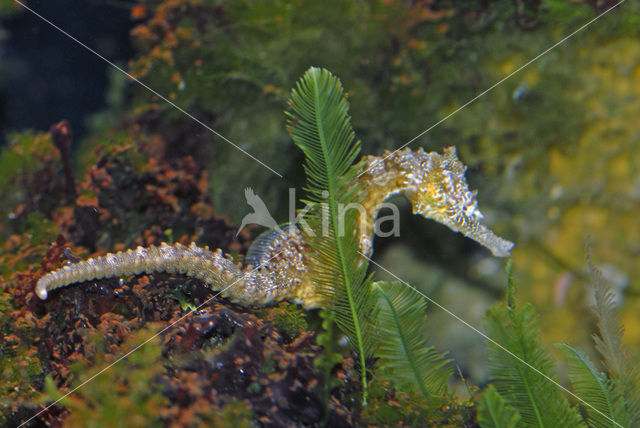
(289, 319)
(29, 181)
(235, 414)
(128, 390)
(20, 374)
(390, 407)
(404, 63)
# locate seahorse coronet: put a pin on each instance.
(278, 263)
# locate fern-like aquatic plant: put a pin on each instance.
(623, 374)
(402, 349)
(527, 383)
(614, 396)
(606, 406)
(320, 125)
(494, 412)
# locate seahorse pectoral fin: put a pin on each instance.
(262, 247)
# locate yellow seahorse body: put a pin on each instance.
(278, 262)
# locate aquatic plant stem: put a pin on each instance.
(333, 211)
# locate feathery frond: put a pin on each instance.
(605, 408)
(320, 125)
(494, 412)
(539, 401)
(401, 345)
(609, 341)
(623, 374)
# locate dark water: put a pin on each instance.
(45, 76)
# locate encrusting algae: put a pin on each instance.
(434, 184)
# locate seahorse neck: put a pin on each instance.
(384, 176)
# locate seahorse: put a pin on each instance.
(278, 263)
(437, 189)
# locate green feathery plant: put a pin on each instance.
(523, 382)
(608, 399)
(320, 125)
(614, 396)
(381, 319)
(605, 406)
(623, 374)
(404, 356)
(493, 410)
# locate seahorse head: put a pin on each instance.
(437, 189)
(441, 193)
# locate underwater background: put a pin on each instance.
(553, 147)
